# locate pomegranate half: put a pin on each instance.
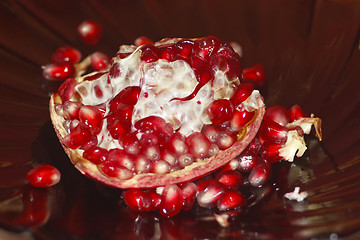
(159, 114)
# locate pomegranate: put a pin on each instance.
(131, 107)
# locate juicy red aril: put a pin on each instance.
(185, 160)
(149, 139)
(247, 160)
(206, 46)
(43, 176)
(232, 165)
(99, 61)
(241, 93)
(227, 60)
(72, 109)
(240, 119)
(124, 112)
(160, 167)
(254, 146)
(95, 154)
(137, 200)
(93, 77)
(155, 200)
(271, 131)
(220, 111)
(79, 136)
(131, 143)
(120, 158)
(151, 123)
(128, 95)
(118, 128)
(260, 174)
(278, 114)
(90, 32)
(177, 144)
(67, 89)
(91, 117)
(205, 76)
(230, 200)
(231, 178)
(189, 190)
(66, 54)
(255, 74)
(270, 152)
(149, 53)
(296, 112)
(198, 144)
(171, 201)
(141, 164)
(211, 132)
(184, 49)
(210, 194)
(167, 53)
(61, 72)
(111, 169)
(168, 156)
(142, 41)
(225, 140)
(151, 152)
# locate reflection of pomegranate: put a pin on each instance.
(142, 122)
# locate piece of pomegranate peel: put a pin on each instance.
(154, 115)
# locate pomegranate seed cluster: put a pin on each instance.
(159, 108)
(174, 123)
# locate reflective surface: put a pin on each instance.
(310, 50)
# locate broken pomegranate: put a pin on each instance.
(175, 124)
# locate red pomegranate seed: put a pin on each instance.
(91, 117)
(93, 77)
(260, 174)
(177, 144)
(137, 200)
(270, 152)
(90, 32)
(171, 201)
(230, 178)
(189, 190)
(278, 114)
(210, 194)
(131, 143)
(141, 163)
(149, 53)
(240, 119)
(151, 123)
(211, 132)
(206, 46)
(184, 49)
(79, 136)
(225, 140)
(66, 54)
(161, 167)
(111, 169)
(151, 152)
(43, 176)
(67, 89)
(254, 146)
(185, 160)
(117, 128)
(124, 112)
(149, 139)
(241, 93)
(247, 160)
(169, 157)
(120, 158)
(214, 149)
(128, 96)
(72, 109)
(296, 112)
(142, 41)
(99, 61)
(167, 53)
(114, 71)
(255, 74)
(198, 144)
(230, 200)
(95, 154)
(220, 111)
(273, 132)
(155, 201)
(91, 142)
(61, 72)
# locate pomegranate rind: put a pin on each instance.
(151, 180)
